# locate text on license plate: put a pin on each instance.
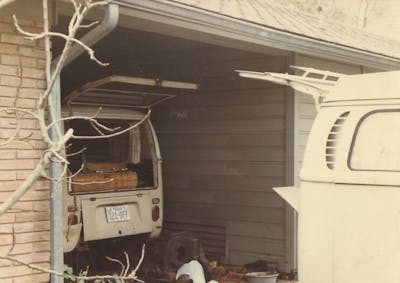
(117, 213)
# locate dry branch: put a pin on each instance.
(56, 145)
(77, 278)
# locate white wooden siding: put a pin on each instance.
(224, 150)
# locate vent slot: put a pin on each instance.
(333, 136)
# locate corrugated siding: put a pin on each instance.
(223, 151)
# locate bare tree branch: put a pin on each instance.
(5, 2)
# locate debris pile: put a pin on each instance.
(181, 259)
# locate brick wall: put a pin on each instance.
(26, 227)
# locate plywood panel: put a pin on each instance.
(241, 256)
(221, 126)
(226, 154)
(233, 198)
(219, 140)
(224, 183)
(257, 245)
(233, 112)
(256, 230)
(266, 169)
(225, 212)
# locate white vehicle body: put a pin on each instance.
(98, 213)
(349, 198)
(91, 207)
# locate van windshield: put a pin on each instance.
(376, 143)
(122, 162)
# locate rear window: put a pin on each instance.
(376, 143)
(122, 162)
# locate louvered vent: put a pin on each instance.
(333, 136)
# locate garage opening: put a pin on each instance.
(223, 146)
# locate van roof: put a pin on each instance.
(373, 86)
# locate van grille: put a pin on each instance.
(331, 143)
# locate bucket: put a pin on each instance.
(262, 277)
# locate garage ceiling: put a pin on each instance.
(145, 54)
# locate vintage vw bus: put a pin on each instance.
(115, 186)
(348, 201)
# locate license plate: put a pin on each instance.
(117, 213)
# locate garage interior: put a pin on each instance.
(224, 146)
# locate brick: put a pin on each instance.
(7, 218)
(30, 92)
(7, 101)
(33, 73)
(4, 262)
(31, 216)
(23, 227)
(6, 280)
(6, 19)
(41, 256)
(32, 52)
(29, 62)
(44, 265)
(41, 64)
(28, 83)
(41, 225)
(9, 70)
(6, 228)
(26, 257)
(6, 48)
(41, 246)
(4, 249)
(33, 134)
(17, 164)
(33, 195)
(5, 195)
(7, 154)
(10, 60)
(22, 206)
(22, 249)
(6, 239)
(41, 43)
(24, 123)
(19, 145)
(41, 206)
(12, 271)
(10, 81)
(41, 185)
(25, 23)
(32, 237)
(23, 174)
(8, 175)
(41, 84)
(8, 91)
(28, 153)
(7, 28)
(39, 145)
(9, 185)
(16, 39)
(26, 103)
(38, 278)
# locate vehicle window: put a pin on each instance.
(376, 143)
(129, 155)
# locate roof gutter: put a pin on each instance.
(199, 19)
(108, 23)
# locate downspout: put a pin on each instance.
(108, 23)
